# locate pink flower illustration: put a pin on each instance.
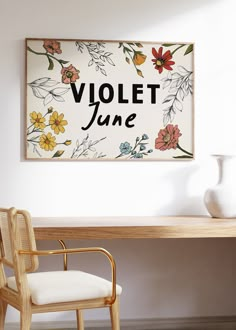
(52, 46)
(69, 74)
(168, 138)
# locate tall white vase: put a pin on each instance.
(220, 200)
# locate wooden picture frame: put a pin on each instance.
(109, 100)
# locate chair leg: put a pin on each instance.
(115, 314)
(25, 319)
(80, 319)
(3, 311)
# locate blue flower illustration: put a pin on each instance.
(138, 155)
(125, 148)
(136, 150)
(144, 136)
(142, 147)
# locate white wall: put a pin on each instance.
(161, 278)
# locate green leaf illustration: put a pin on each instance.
(139, 72)
(58, 153)
(189, 49)
(126, 49)
(183, 157)
(63, 62)
(168, 45)
(51, 64)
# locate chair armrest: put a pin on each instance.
(112, 299)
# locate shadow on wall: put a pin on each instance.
(130, 16)
(182, 203)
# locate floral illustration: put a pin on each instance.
(180, 85)
(139, 58)
(37, 136)
(139, 150)
(120, 100)
(168, 138)
(69, 74)
(47, 141)
(57, 122)
(83, 148)
(125, 148)
(37, 120)
(162, 61)
(99, 57)
(133, 55)
(44, 88)
(52, 46)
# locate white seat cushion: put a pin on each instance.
(62, 286)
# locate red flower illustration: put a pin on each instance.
(69, 74)
(52, 46)
(168, 138)
(162, 60)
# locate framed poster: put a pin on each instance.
(108, 100)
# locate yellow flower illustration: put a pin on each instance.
(37, 120)
(47, 142)
(67, 142)
(139, 58)
(57, 122)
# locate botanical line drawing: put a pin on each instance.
(180, 85)
(44, 88)
(99, 56)
(139, 150)
(83, 148)
(133, 55)
(141, 94)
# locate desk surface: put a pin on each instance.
(132, 227)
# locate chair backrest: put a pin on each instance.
(17, 234)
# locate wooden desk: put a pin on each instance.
(132, 227)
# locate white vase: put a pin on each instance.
(220, 200)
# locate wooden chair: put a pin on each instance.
(38, 292)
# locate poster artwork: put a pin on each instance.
(108, 100)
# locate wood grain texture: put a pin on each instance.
(3, 311)
(80, 320)
(115, 314)
(180, 323)
(132, 227)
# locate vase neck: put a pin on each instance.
(227, 168)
